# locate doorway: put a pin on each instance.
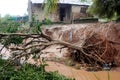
(62, 13)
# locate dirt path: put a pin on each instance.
(81, 74)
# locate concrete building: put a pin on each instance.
(67, 11)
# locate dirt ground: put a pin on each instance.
(81, 74)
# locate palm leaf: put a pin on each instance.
(50, 6)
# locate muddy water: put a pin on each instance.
(81, 74)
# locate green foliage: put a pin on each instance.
(36, 25)
(12, 39)
(28, 72)
(48, 22)
(9, 27)
(105, 8)
(50, 6)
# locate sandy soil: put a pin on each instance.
(81, 74)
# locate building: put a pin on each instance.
(67, 11)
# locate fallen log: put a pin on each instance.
(94, 51)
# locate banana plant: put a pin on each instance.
(50, 6)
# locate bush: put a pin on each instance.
(28, 72)
(9, 27)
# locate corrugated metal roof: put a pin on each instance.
(37, 1)
(76, 2)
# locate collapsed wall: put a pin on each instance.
(102, 39)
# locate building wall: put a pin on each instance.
(78, 13)
(38, 13)
(72, 12)
(29, 10)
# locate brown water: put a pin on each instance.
(81, 74)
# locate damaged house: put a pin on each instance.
(67, 10)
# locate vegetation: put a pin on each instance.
(101, 8)
(105, 8)
(51, 6)
(36, 24)
(27, 72)
(8, 25)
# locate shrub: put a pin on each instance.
(28, 72)
(9, 27)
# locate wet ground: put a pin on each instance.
(82, 74)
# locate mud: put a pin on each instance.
(81, 74)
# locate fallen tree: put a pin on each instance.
(95, 49)
(96, 52)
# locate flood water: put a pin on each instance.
(81, 74)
